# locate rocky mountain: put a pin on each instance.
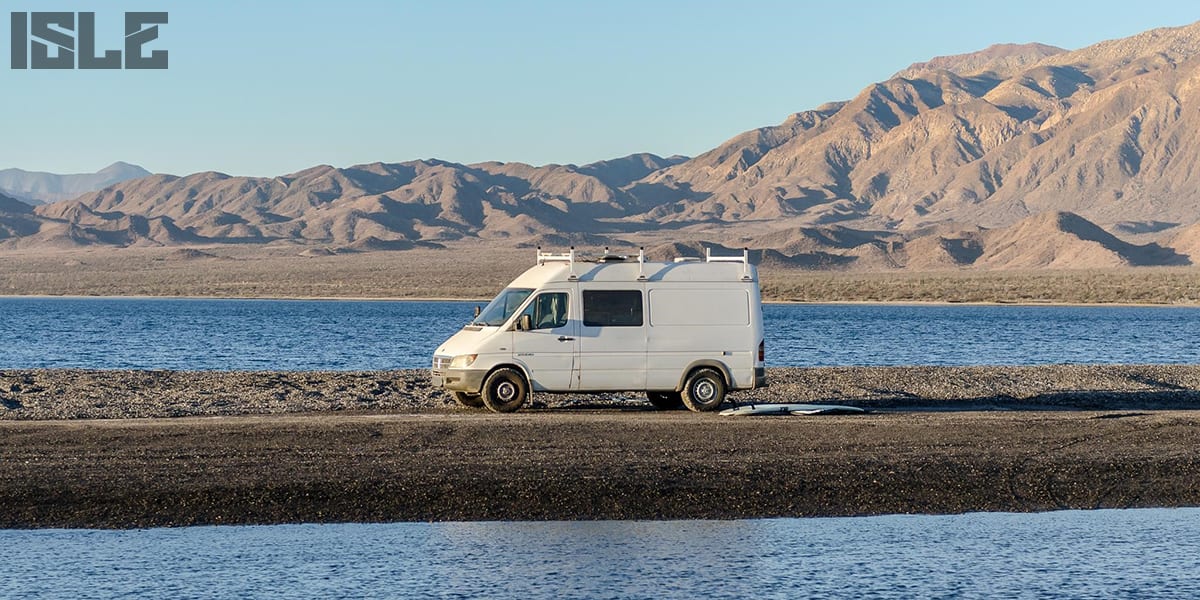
(1062, 239)
(1103, 132)
(1001, 60)
(9, 205)
(38, 187)
(1017, 156)
(16, 219)
(426, 200)
(1187, 243)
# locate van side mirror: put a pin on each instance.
(525, 323)
(477, 311)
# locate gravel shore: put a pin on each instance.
(79, 450)
(53, 394)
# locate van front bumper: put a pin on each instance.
(458, 380)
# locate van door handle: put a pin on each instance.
(563, 338)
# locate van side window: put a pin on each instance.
(612, 308)
(548, 311)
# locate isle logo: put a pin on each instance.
(67, 40)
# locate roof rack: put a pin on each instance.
(567, 257)
(572, 257)
(744, 259)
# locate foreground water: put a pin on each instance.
(189, 334)
(1073, 554)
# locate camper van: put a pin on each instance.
(683, 332)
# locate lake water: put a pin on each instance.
(144, 333)
(1129, 553)
(1073, 554)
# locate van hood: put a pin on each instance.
(466, 341)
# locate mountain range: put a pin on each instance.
(1017, 156)
(35, 187)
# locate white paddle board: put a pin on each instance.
(790, 409)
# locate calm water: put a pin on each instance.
(350, 335)
(1131, 553)
(1093, 554)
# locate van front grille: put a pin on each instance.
(440, 362)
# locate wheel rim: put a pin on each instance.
(704, 390)
(506, 391)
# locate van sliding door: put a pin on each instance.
(697, 321)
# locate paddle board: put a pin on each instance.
(790, 409)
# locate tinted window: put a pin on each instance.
(612, 308)
(548, 311)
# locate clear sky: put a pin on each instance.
(267, 88)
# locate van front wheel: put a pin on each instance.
(704, 390)
(504, 390)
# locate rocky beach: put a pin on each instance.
(56, 394)
(126, 449)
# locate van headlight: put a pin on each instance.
(462, 361)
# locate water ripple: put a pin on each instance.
(1072, 554)
(190, 334)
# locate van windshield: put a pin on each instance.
(502, 307)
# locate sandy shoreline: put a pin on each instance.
(91, 449)
(474, 271)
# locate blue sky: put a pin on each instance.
(267, 88)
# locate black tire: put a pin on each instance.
(665, 400)
(468, 400)
(505, 390)
(704, 390)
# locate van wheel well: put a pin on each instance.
(505, 389)
(712, 366)
(508, 366)
(704, 390)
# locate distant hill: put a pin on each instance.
(17, 219)
(13, 206)
(38, 187)
(1061, 239)
(1016, 156)
(427, 200)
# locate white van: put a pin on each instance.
(684, 332)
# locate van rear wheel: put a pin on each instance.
(665, 400)
(704, 390)
(468, 400)
(504, 390)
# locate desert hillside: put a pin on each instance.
(35, 187)
(1014, 157)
